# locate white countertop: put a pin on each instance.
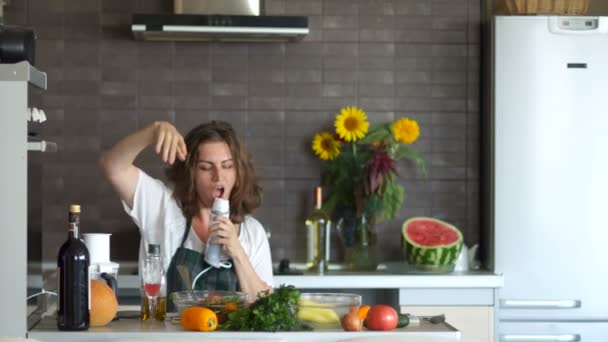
(391, 275)
(392, 281)
(134, 329)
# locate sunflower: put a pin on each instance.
(351, 124)
(325, 146)
(406, 130)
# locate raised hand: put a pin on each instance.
(169, 143)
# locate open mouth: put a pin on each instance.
(218, 192)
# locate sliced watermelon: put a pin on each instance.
(431, 244)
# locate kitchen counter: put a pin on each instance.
(134, 329)
(383, 280)
(391, 275)
(391, 284)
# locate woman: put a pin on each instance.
(208, 164)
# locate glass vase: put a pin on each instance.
(359, 238)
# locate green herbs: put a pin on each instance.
(274, 311)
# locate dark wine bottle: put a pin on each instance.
(73, 303)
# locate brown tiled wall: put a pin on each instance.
(418, 58)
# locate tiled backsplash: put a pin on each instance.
(393, 58)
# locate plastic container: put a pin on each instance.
(324, 310)
(101, 267)
(213, 252)
(222, 302)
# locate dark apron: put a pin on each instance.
(214, 279)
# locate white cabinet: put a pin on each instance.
(553, 331)
(476, 323)
(470, 310)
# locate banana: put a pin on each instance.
(318, 315)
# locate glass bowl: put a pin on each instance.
(324, 310)
(222, 302)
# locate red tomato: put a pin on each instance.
(214, 299)
(381, 317)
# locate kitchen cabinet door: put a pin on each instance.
(553, 331)
(476, 323)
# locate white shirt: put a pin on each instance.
(160, 220)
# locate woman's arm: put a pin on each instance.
(224, 232)
(117, 162)
(249, 281)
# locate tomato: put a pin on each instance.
(381, 317)
(214, 299)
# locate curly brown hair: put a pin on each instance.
(246, 195)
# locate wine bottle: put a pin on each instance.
(317, 236)
(73, 302)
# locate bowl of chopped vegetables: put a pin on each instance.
(222, 302)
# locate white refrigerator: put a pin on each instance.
(548, 157)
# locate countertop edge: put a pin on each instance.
(391, 281)
(131, 330)
(370, 281)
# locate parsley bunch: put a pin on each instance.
(274, 311)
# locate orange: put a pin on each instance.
(198, 319)
(362, 312)
(103, 304)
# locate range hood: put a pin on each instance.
(219, 27)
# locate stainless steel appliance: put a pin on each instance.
(219, 20)
(226, 7)
(547, 167)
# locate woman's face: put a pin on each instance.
(215, 172)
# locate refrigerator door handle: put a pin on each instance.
(541, 338)
(540, 304)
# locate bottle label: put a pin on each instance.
(310, 242)
(213, 252)
(74, 223)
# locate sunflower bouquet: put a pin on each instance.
(361, 171)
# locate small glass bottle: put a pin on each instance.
(153, 283)
(318, 232)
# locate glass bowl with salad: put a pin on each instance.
(222, 302)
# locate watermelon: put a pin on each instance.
(431, 244)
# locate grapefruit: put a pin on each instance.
(103, 304)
